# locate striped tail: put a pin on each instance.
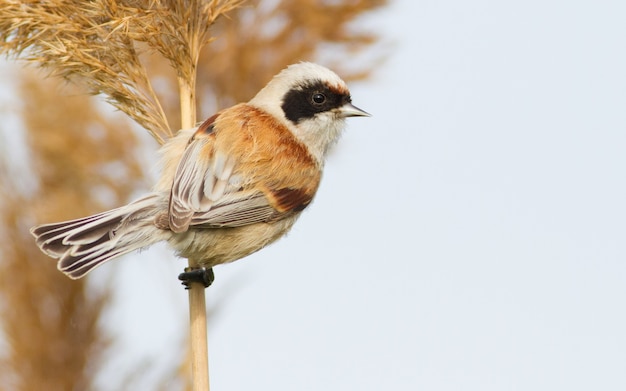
(82, 244)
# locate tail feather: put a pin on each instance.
(77, 266)
(54, 238)
(82, 244)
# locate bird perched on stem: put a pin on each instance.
(229, 187)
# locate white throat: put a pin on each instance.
(319, 134)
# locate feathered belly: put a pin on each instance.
(214, 246)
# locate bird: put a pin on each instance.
(228, 187)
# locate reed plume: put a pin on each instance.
(99, 44)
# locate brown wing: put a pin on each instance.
(241, 167)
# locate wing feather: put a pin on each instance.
(213, 185)
(188, 187)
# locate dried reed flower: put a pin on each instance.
(99, 43)
(51, 327)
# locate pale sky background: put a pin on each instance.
(469, 236)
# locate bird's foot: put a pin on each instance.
(197, 274)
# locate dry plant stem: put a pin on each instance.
(197, 299)
(187, 105)
(199, 344)
(199, 340)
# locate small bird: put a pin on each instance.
(228, 188)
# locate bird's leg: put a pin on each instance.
(197, 274)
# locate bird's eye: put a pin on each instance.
(318, 98)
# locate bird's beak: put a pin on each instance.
(349, 110)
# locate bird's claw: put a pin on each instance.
(197, 274)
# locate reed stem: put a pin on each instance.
(197, 299)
